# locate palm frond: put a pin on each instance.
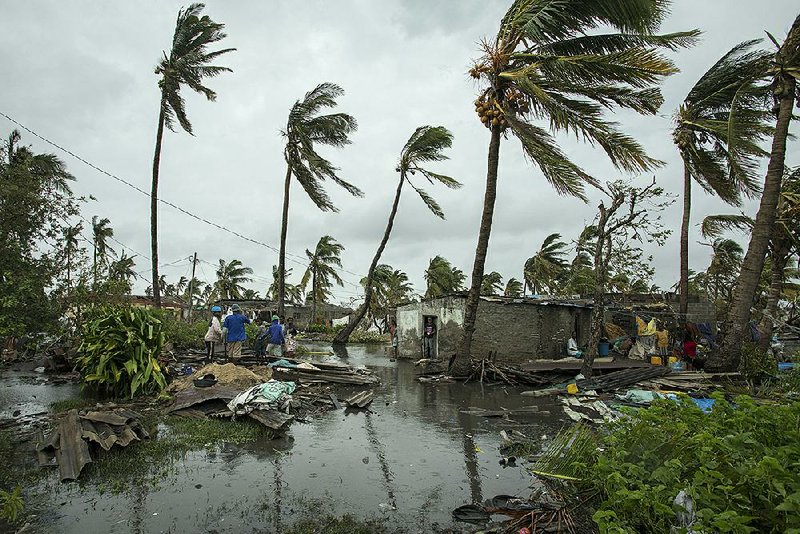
(429, 201)
(716, 225)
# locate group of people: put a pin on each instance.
(276, 340)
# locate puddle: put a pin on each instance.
(411, 462)
(31, 393)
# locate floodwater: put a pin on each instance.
(409, 462)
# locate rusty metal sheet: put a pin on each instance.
(190, 397)
(271, 418)
(72, 452)
(109, 418)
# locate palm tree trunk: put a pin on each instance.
(598, 309)
(344, 335)
(282, 254)
(154, 205)
(683, 285)
(780, 258)
(313, 297)
(94, 265)
(463, 355)
(745, 289)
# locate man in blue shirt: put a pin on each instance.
(236, 334)
(276, 338)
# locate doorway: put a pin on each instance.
(430, 336)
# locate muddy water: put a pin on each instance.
(31, 393)
(409, 462)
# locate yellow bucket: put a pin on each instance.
(673, 359)
(572, 389)
(656, 360)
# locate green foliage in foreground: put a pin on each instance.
(119, 350)
(740, 464)
(11, 504)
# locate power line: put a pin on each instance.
(142, 191)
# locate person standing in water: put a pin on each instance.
(429, 338)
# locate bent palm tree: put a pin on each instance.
(546, 63)
(784, 72)
(304, 130)
(717, 130)
(321, 271)
(513, 288)
(425, 145)
(230, 277)
(187, 64)
(543, 268)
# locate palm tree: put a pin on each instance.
(70, 237)
(250, 294)
(717, 130)
(514, 288)
(293, 293)
(187, 64)
(305, 130)
(321, 271)
(390, 289)
(230, 277)
(492, 283)
(547, 62)
(785, 69)
(442, 278)
(426, 145)
(543, 268)
(122, 270)
(101, 234)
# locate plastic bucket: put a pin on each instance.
(656, 360)
(602, 348)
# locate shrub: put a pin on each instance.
(181, 334)
(364, 336)
(738, 464)
(11, 504)
(119, 350)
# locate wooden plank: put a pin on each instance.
(335, 401)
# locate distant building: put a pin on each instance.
(519, 329)
(173, 304)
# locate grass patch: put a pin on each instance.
(346, 524)
(66, 405)
(151, 461)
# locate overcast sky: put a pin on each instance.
(81, 74)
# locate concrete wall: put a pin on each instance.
(517, 331)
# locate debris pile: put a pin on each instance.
(228, 375)
(69, 444)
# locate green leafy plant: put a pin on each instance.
(119, 350)
(181, 334)
(738, 464)
(11, 504)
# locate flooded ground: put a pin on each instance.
(409, 462)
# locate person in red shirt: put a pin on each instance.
(689, 351)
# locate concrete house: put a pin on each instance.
(519, 329)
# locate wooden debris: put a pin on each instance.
(335, 401)
(623, 378)
(360, 400)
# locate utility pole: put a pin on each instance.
(191, 287)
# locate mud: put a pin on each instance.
(409, 462)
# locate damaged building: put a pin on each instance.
(519, 329)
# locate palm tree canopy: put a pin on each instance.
(720, 124)
(549, 63)
(542, 269)
(427, 144)
(101, 233)
(230, 277)
(307, 128)
(492, 283)
(123, 269)
(442, 278)
(294, 293)
(513, 288)
(188, 63)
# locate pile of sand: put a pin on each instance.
(230, 375)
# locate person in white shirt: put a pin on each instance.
(572, 347)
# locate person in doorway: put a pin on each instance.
(276, 338)
(214, 333)
(393, 336)
(572, 347)
(236, 335)
(429, 338)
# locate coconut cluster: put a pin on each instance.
(492, 114)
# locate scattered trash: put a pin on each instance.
(205, 381)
